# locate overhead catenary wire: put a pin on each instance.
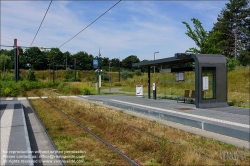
(91, 23)
(41, 23)
(6, 41)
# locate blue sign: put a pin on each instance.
(95, 63)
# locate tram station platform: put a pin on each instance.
(24, 141)
(15, 144)
(233, 122)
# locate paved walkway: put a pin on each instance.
(24, 141)
(15, 144)
(230, 121)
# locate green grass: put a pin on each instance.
(238, 84)
(15, 89)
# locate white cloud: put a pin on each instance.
(132, 27)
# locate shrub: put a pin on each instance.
(138, 72)
(69, 74)
(86, 91)
(105, 76)
(31, 75)
(117, 84)
(75, 90)
(7, 92)
(43, 77)
(125, 74)
(7, 77)
(13, 89)
(232, 63)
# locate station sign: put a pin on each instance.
(95, 63)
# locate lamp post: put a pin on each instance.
(154, 84)
(119, 70)
(98, 83)
(109, 76)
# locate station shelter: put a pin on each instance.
(210, 74)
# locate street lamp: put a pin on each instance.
(98, 83)
(109, 76)
(154, 84)
(119, 70)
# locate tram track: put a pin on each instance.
(156, 137)
(129, 160)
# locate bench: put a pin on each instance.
(186, 96)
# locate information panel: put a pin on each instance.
(205, 84)
(139, 90)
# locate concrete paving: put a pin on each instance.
(24, 140)
(15, 144)
(232, 122)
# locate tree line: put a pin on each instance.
(41, 60)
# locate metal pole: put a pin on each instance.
(149, 82)
(53, 69)
(99, 72)
(154, 90)
(75, 69)
(15, 61)
(109, 77)
(119, 70)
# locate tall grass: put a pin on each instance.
(238, 84)
(171, 147)
(75, 88)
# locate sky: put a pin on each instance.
(130, 28)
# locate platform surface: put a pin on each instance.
(230, 121)
(15, 145)
(24, 141)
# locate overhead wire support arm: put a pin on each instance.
(91, 23)
(41, 23)
(22, 46)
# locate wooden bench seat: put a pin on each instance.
(186, 96)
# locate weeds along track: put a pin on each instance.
(147, 143)
(85, 128)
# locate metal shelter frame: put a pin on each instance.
(216, 62)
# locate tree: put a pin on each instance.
(127, 62)
(34, 58)
(9, 53)
(56, 56)
(30, 75)
(83, 60)
(4, 62)
(199, 35)
(233, 28)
